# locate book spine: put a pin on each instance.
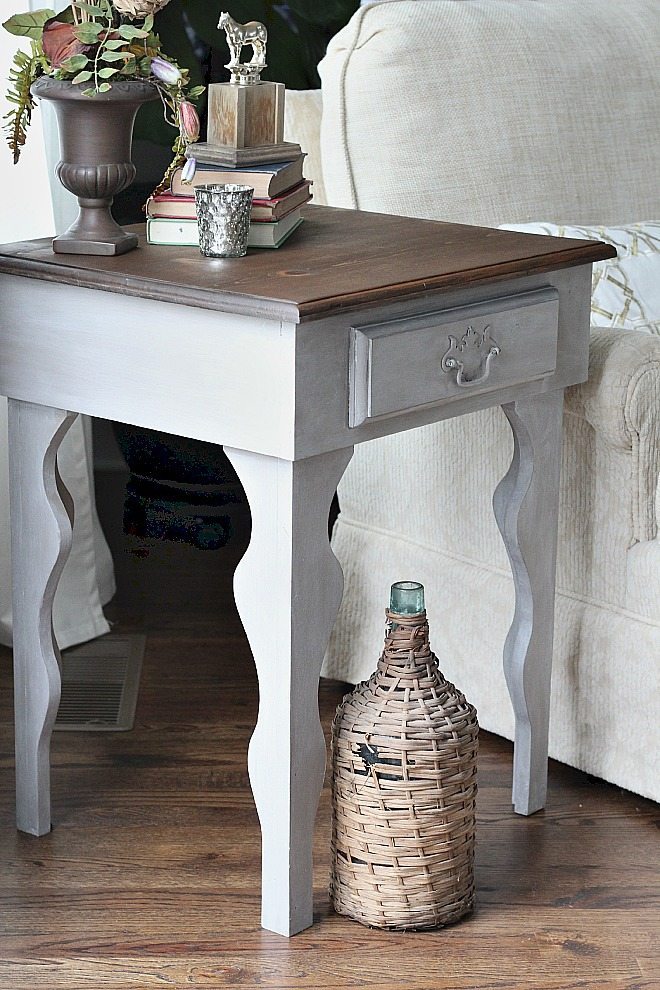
(178, 189)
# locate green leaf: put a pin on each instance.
(22, 73)
(129, 32)
(82, 77)
(104, 88)
(65, 16)
(89, 92)
(114, 43)
(195, 92)
(116, 56)
(30, 24)
(107, 73)
(148, 23)
(74, 63)
(89, 8)
(88, 32)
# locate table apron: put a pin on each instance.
(214, 376)
(323, 360)
(277, 388)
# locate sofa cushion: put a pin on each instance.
(626, 289)
(495, 110)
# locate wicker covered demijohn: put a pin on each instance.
(404, 761)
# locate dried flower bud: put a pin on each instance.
(188, 170)
(138, 9)
(165, 71)
(188, 122)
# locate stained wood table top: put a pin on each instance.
(338, 259)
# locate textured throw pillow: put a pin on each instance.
(626, 289)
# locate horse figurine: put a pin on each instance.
(238, 35)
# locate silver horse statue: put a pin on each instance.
(238, 35)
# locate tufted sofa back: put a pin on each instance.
(488, 111)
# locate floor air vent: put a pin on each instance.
(100, 683)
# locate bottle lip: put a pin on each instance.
(407, 598)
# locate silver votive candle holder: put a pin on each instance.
(223, 219)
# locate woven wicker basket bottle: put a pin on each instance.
(404, 752)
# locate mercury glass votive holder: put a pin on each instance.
(223, 219)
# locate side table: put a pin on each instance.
(363, 325)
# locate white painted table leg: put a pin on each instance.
(288, 589)
(41, 528)
(526, 509)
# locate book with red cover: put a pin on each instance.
(263, 210)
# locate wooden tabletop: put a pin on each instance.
(338, 259)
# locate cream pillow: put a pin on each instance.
(626, 289)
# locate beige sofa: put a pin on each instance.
(490, 112)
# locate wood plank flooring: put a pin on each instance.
(150, 878)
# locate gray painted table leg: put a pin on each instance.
(41, 530)
(288, 589)
(526, 509)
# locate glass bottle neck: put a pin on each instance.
(407, 598)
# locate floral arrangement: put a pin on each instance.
(95, 43)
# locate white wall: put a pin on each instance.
(25, 203)
(32, 201)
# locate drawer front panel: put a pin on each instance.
(403, 364)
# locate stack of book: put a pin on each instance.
(279, 193)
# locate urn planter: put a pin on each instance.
(96, 134)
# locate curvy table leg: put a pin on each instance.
(288, 589)
(41, 531)
(526, 508)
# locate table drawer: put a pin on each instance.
(416, 361)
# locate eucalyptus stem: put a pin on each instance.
(167, 105)
(96, 57)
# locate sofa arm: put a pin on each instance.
(621, 401)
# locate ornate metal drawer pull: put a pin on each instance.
(472, 354)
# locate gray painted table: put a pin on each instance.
(363, 325)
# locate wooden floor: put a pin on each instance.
(150, 877)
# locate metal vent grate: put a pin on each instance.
(100, 683)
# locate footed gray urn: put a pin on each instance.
(96, 134)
